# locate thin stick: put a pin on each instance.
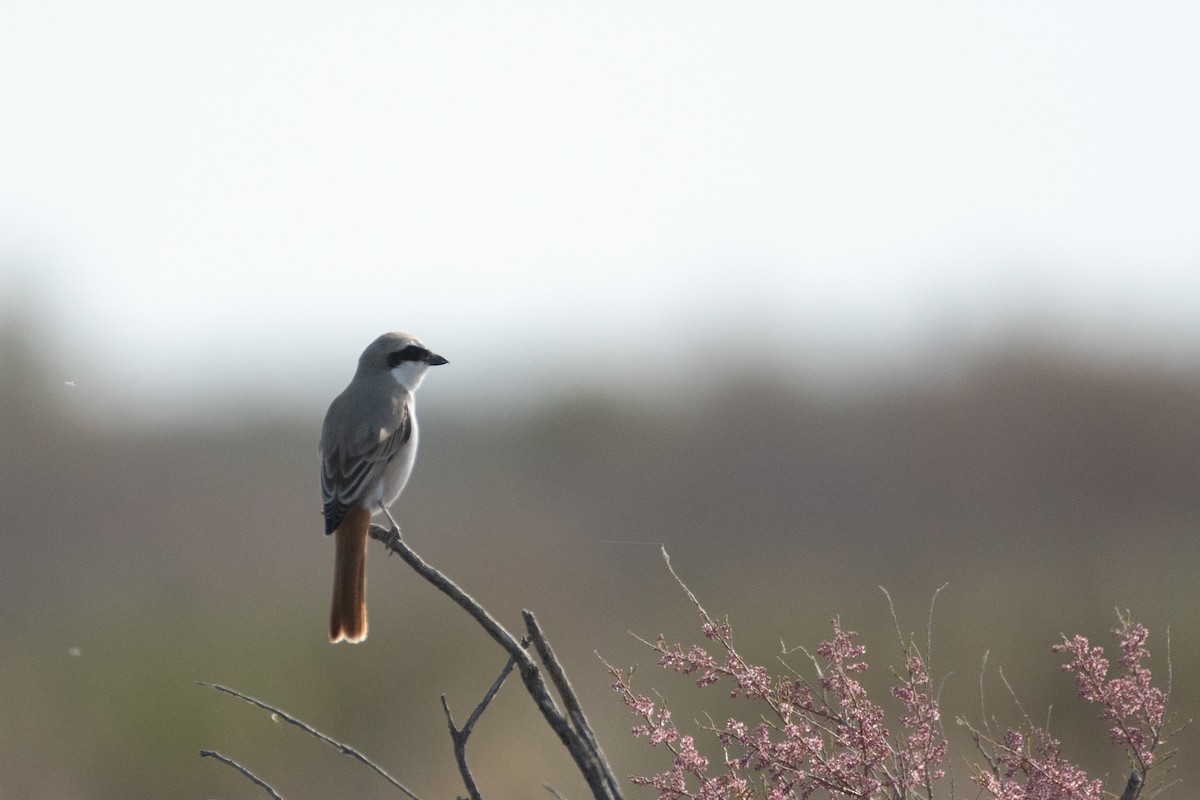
(929, 627)
(460, 753)
(243, 770)
(591, 764)
(459, 737)
(487, 698)
(288, 718)
(684, 586)
(904, 644)
(570, 699)
(393, 541)
(1132, 786)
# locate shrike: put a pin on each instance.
(368, 445)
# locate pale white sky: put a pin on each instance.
(209, 192)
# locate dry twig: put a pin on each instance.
(460, 736)
(225, 760)
(288, 718)
(571, 729)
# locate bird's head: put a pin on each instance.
(405, 357)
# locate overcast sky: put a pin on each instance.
(197, 193)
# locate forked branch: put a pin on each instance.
(459, 736)
(311, 731)
(571, 728)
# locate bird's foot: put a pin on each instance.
(394, 537)
(390, 537)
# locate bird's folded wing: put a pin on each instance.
(352, 469)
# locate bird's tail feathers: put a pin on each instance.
(348, 614)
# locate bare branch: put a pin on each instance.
(1132, 786)
(684, 586)
(243, 770)
(582, 748)
(1160, 790)
(905, 644)
(459, 737)
(569, 698)
(1170, 668)
(929, 626)
(487, 698)
(288, 718)
(983, 719)
(394, 543)
(460, 752)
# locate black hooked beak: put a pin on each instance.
(434, 360)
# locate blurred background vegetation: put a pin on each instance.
(820, 296)
(1047, 489)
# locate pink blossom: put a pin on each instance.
(1128, 699)
(1033, 769)
(826, 738)
(836, 745)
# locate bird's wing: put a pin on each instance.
(354, 455)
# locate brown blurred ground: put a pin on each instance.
(1045, 490)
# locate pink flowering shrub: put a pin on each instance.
(1028, 765)
(826, 738)
(1136, 709)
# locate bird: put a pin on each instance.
(368, 447)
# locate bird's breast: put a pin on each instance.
(398, 469)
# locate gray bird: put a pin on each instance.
(368, 446)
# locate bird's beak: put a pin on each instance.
(435, 360)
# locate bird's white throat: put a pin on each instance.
(409, 374)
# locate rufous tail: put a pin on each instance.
(348, 615)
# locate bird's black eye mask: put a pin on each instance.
(413, 352)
